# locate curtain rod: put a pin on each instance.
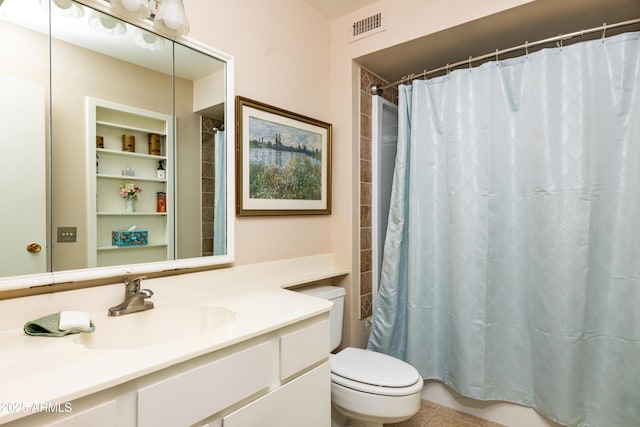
(378, 89)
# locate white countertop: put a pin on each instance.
(36, 370)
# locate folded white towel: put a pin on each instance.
(74, 319)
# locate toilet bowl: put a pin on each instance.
(368, 389)
(372, 389)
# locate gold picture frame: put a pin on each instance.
(283, 161)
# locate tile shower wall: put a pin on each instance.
(367, 78)
(208, 129)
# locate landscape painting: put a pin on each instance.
(284, 161)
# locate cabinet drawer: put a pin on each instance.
(303, 348)
(103, 415)
(305, 401)
(196, 394)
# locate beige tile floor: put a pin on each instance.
(434, 415)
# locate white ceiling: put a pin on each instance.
(537, 20)
(333, 9)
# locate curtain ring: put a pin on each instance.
(604, 31)
(496, 54)
(408, 79)
(447, 69)
(470, 62)
(526, 48)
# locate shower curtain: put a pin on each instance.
(220, 196)
(512, 261)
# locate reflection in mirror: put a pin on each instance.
(200, 97)
(24, 94)
(111, 83)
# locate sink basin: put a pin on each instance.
(156, 326)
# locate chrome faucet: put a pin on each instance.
(134, 298)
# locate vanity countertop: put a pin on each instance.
(43, 370)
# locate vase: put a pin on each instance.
(130, 204)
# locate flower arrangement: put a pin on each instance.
(130, 190)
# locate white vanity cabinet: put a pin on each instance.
(279, 379)
(110, 166)
(194, 395)
(305, 401)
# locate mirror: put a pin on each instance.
(93, 107)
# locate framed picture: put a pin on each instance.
(283, 162)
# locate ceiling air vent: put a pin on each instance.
(366, 26)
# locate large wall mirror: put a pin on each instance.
(114, 147)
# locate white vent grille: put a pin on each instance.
(366, 26)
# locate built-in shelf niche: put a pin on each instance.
(107, 169)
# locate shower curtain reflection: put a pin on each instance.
(512, 256)
(220, 201)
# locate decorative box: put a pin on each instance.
(129, 238)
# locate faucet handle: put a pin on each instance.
(133, 285)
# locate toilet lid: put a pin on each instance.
(370, 367)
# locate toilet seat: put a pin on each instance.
(376, 373)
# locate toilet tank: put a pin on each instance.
(336, 295)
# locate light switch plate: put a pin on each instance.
(67, 234)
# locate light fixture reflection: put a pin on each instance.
(171, 18)
(138, 9)
(64, 8)
(147, 40)
(63, 4)
(106, 24)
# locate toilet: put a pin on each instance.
(368, 389)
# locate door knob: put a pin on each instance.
(34, 248)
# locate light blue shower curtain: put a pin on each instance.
(512, 261)
(220, 199)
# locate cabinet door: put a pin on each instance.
(305, 401)
(201, 392)
(303, 348)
